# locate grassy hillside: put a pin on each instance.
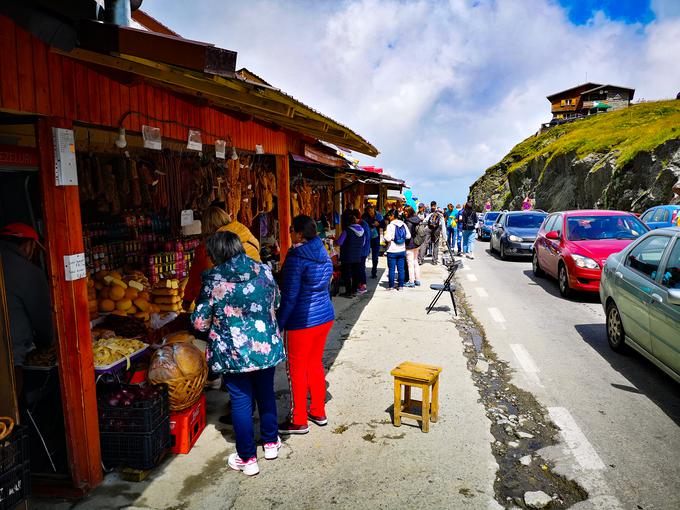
(641, 127)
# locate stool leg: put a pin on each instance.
(435, 400)
(426, 408)
(397, 403)
(407, 398)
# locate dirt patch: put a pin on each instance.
(519, 424)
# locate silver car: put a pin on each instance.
(640, 292)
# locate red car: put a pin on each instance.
(573, 246)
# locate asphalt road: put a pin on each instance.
(619, 415)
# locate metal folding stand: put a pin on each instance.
(447, 286)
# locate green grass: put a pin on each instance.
(641, 127)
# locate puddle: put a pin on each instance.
(519, 424)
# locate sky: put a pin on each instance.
(443, 88)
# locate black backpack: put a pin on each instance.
(421, 232)
(433, 221)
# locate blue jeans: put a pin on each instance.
(242, 388)
(451, 237)
(375, 255)
(468, 240)
(396, 261)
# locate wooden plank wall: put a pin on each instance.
(37, 81)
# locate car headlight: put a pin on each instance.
(585, 262)
(515, 239)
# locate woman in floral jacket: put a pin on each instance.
(237, 305)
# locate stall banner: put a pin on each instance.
(15, 156)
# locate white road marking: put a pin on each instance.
(527, 363)
(591, 473)
(496, 315)
(481, 291)
(472, 278)
(583, 451)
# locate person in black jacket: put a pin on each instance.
(469, 221)
(352, 243)
(375, 222)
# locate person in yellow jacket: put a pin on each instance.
(216, 219)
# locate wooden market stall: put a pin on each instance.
(71, 108)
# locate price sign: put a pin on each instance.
(74, 267)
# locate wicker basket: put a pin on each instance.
(184, 392)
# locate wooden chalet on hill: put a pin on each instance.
(588, 99)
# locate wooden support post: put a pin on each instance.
(64, 236)
(8, 396)
(337, 202)
(283, 186)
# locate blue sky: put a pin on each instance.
(443, 88)
(628, 11)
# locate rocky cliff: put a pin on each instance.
(627, 159)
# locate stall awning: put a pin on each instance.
(220, 87)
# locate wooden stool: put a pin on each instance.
(419, 375)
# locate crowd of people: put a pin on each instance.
(254, 322)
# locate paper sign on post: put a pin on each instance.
(152, 137)
(74, 267)
(65, 171)
(187, 217)
(220, 149)
(194, 142)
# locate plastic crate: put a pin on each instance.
(14, 449)
(143, 416)
(15, 486)
(140, 451)
(186, 427)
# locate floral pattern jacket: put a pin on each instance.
(237, 305)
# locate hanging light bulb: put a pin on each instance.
(234, 154)
(121, 142)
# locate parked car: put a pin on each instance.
(640, 293)
(485, 223)
(661, 216)
(514, 232)
(573, 246)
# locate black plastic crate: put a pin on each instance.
(14, 449)
(140, 451)
(15, 486)
(143, 416)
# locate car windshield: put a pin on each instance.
(525, 220)
(592, 228)
(491, 216)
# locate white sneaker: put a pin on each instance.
(271, 450)
(471, 256)
(248, 467)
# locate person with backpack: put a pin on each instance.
(469, 222)
(450, 215)
(459, 230)
(412, 246)
(351, 242)
(396, 235)
(435, 222)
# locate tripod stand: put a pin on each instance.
(447, 286)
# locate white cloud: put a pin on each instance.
(443, 89)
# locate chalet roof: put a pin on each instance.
(588, 84)
(609, 85)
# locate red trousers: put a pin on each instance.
(305, 370)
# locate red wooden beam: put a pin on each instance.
(64, 236)
(283, 202)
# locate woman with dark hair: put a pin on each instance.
(413, 266)
(237, 305)
(306, 315)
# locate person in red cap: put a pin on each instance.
(28, 296)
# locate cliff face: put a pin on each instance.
(627, 160)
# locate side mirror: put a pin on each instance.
(554, 235)
(674, 296)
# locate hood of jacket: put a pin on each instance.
(238, 269)
(313, 250)
(357, 229)
(413, 220)
(397, 223)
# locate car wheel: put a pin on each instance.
(615, 334)
(563, 281)
(503, 256)
(491, 248)
(538, 272)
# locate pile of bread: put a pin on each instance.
(126, 296)
(167, 294)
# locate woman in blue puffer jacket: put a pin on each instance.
(306, 314)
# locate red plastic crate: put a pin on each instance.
(186, 427)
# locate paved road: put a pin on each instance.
(619, 415)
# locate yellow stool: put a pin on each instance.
(416, 375)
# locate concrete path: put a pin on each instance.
(359, 460)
